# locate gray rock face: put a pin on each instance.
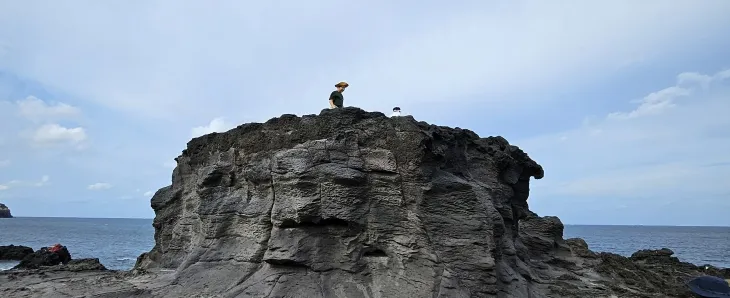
(5, 211)
(350, 204)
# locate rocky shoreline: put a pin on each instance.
(349, 203)
(647, 273)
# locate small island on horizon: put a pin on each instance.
(5, 211)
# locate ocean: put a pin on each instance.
(118, 242)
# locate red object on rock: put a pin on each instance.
(56, 247)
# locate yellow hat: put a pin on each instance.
(342, 84)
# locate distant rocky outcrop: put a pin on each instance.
(5, 211)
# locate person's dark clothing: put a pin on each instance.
(337, 98)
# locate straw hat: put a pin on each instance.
(342, 84)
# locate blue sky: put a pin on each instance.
(623, 102)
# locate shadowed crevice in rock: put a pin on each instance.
(317, 223)
(286, 263)
(374, 253)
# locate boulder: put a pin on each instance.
(86, 264)
(14, 252)
(45, 257)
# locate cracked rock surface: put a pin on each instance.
(346, 204)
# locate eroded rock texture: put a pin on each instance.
(348, 204)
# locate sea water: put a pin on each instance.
(116, 242)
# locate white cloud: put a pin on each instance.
(215, 125)
(19, 183)
(99, 186)
(4, 163)
(37, 110)
(4, 187)
(655, 103)
(56, 134)
(674, 143)
(149, 193)
(43, 181)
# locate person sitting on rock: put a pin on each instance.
(709, 287)
(336, 98)
(396, 112)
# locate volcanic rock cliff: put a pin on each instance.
(5, 211)
(355, 204)
(347, 204)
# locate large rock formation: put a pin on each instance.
(347, 204)
(5, 211)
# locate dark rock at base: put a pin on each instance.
(580, 248)
(644, 254)
(44, 257)
(5, 211)
(651, 273)
(86, 264)
(14, 252)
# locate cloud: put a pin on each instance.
(37, 110)
(215, 125)
(4, 187)
(43, 123)
(149, 193)
(672, 145)
(19, 183)
(4, 163)
(43, 181)
(99, 186)
(175, 69)
(51, 134)
(655, 103)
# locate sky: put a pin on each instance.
(624, 103)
